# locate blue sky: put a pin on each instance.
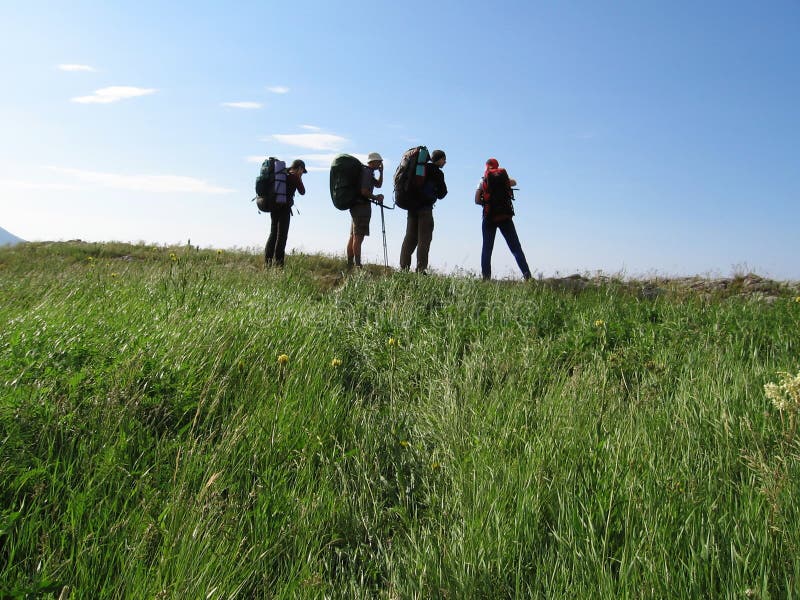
(646, 137)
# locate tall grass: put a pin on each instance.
(425, 437)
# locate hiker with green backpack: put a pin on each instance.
(280, 212)
(361, 208)
(495, 195)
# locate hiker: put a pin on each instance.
(361, 211)
(494, 193)
(281, 214)
(419, 223)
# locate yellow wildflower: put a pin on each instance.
(599, 323)
(336, 363)
(173, 257)
(405, 443)
(115, 275)
(283, 359)
(392, 341)
(797, 299)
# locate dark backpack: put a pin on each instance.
(271, 185)
(409, 178)
(346, 181)
(498, 195)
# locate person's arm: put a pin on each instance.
(299, 184)
(479, 195)
(379, 180)
(512, 182)
(367, 195)
(441, 189)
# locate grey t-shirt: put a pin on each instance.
(368, 181)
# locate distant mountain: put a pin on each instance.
(8, 239)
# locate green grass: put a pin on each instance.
(512, 440)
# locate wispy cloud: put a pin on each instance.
(17, 184)
(72, 67)
(322, 162)
(244, 105)
(114, 94)
(310, 127)
(278, 89)
(314, 162)
(166, 184)
(312, 141)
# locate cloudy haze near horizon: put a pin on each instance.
(646, 138)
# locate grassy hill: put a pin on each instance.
(181, 423)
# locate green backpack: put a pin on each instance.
(346, 181)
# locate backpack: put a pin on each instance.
(271, 185)
(409, 178)
(346, 181)
(497, 195)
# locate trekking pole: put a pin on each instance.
(385, 251)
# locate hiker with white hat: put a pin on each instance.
(361, 211)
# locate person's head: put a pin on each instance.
(374, 160)
(492, 163)
(438, 157)
(298, 166)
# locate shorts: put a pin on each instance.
(360, 225)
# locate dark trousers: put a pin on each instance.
(512, 239)
(419, 233)
(278, 234)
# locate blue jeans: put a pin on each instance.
(512, 239)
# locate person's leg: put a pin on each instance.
(269, 249)
(350, 240)
(512, 239)
(425, 237)
(284, 216)
(409, 241)
(489, 230)
(357, 241)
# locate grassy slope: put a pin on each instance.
(510, 440)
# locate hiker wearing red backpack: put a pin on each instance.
(419, 223)
(281, 214)
(361, 211)
(494, 193)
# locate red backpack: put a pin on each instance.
(497, 195)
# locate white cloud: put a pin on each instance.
(314, 162)
(71, 67)
(167, 184)
(18, 184)
(310, 128)
(245, 105)
(312, 141)
(278, 89)
(113, 94)
(318, 162)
